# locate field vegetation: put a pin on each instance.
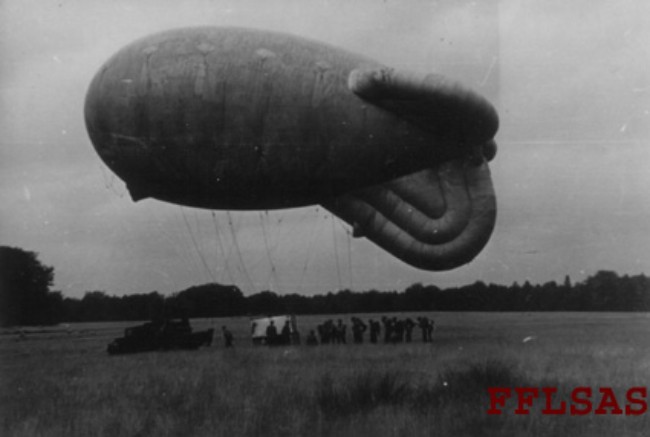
(59, 381)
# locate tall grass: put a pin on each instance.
(70, 387)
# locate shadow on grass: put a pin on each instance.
(362, 392)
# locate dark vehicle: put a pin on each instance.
(160, 335)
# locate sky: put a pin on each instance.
(570, 80)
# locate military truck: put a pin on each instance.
(160, 335)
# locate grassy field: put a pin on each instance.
(61, 382)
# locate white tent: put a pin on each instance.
(259, 326)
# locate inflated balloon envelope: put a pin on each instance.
(229, 118)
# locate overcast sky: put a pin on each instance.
(571, 82)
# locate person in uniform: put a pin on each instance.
(341, 332)
(285, 334)
(227, 337)
(408, 329)
(271, 334)
(358, 328)
(375, 330)
(311, 339)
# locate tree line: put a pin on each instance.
(25, 298)
(605, 291)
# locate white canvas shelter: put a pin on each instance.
(259, 325)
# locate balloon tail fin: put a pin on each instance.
(436, 219)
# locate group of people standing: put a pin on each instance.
(394, 331)
(386, 329)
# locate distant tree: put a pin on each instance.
(99, 306)
(265, 302)
(142, 306)
(72, 309)
(602, 292)
(297, 304)
(25, 283)
(208, 300)
(374, 301)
